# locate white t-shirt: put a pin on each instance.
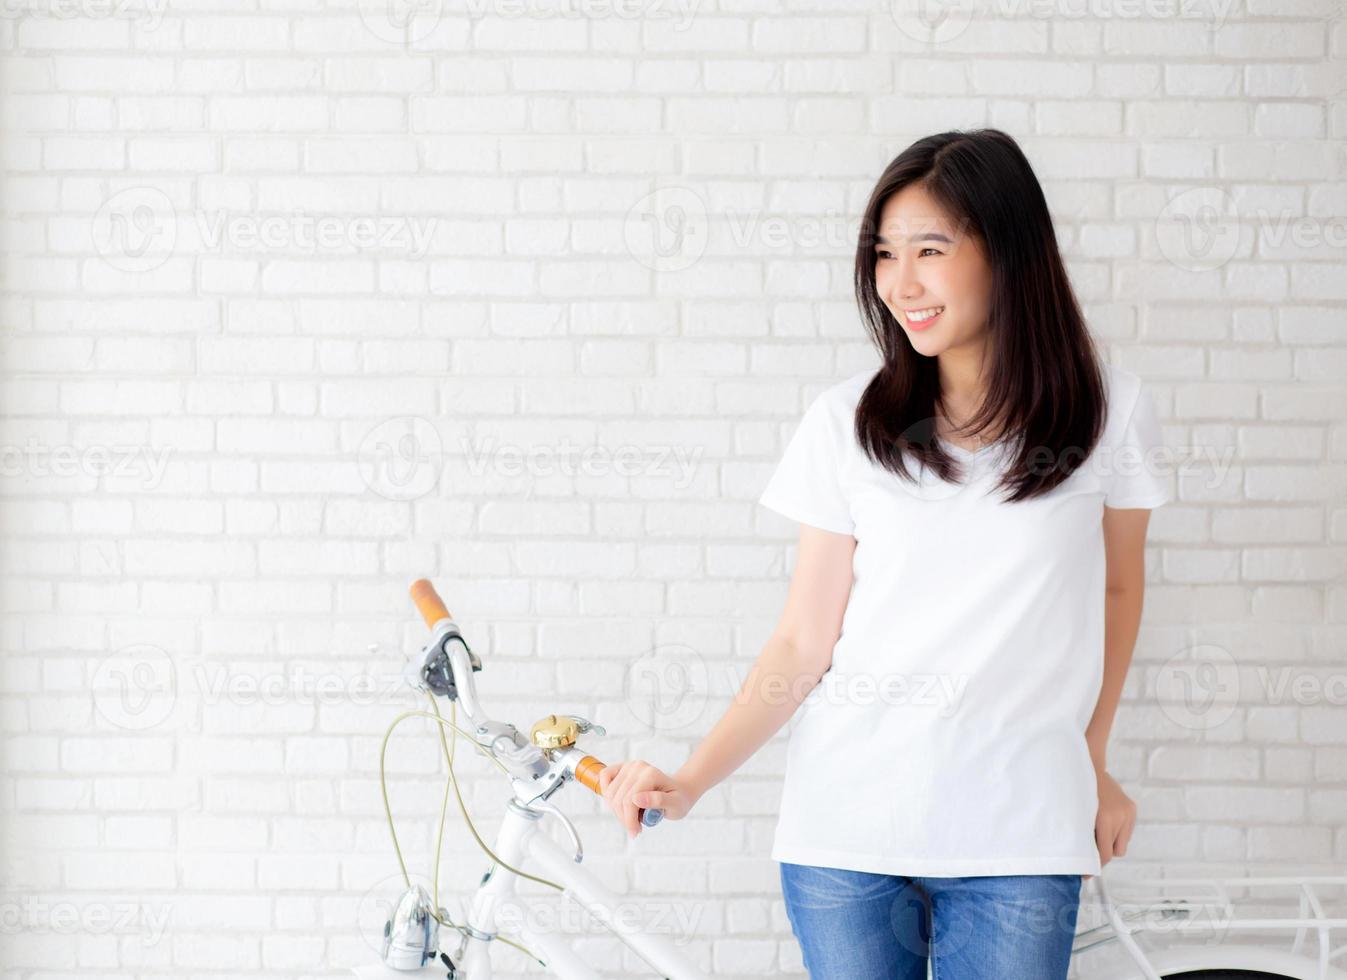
(948, 736)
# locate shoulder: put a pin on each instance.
(841, 397)
(1122, 388)
(830, 413)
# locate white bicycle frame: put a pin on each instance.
(520, 844)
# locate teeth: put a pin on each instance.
(919, 315)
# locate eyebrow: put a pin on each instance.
(930, 236)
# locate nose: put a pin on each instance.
(905, 278)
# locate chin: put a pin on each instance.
(925, 344)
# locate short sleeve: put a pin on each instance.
(806, 485)
(1137, 471)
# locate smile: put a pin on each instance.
(920, 319)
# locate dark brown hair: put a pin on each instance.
(1044, 379)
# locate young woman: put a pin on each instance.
(965, 599)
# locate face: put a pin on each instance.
(925, 260)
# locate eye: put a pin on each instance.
(885, 254)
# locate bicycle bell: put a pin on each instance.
(561, 731)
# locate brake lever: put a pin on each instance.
(547, 807)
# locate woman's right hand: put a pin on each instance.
(634, 785)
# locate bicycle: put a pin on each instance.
(539, 765)
(548, 759)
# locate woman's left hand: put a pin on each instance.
(1113, 822)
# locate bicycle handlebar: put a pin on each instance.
(428, 601)
(433, 610)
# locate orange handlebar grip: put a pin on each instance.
(587, 774)
(428, 601)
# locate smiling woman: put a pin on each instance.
(1003, 569)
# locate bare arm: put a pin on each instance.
(1125, 586)
(791, 663)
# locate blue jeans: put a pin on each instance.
(855, 925)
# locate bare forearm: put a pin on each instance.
(774, 688)
(1122, 621)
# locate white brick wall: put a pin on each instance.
(193, 389)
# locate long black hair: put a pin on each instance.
(1045, 383)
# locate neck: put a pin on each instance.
(961, 381)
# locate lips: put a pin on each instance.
(922, 324)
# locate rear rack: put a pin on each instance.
(1205, 905)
